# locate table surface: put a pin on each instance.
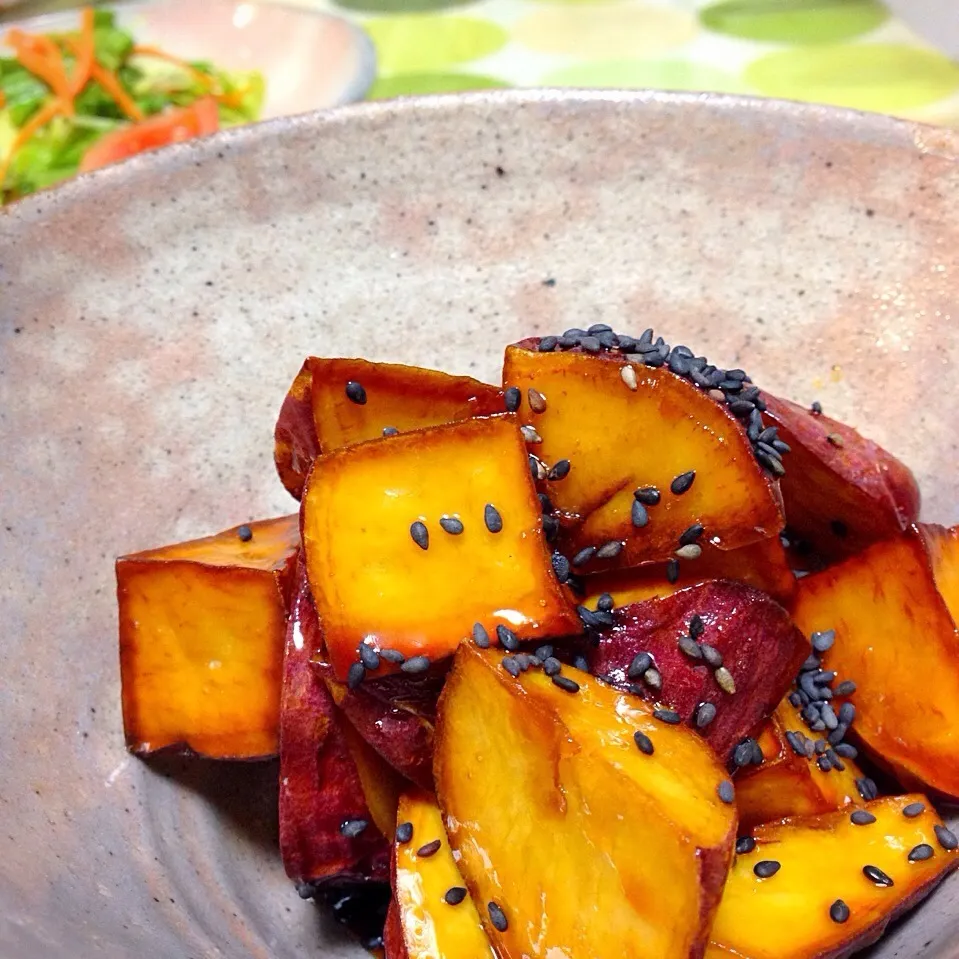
(851, 53)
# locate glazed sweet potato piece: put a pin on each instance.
(759, 650)
(841, 491)
(585, 803)
(201, 641)
(896, 639)
(618, 439)
(328, 833)
(787, 784)
(339, 402)
(761, 565)
(837, 885)
(435, 915)
(367, 513)
(943, 547)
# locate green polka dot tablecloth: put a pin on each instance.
(851, 53)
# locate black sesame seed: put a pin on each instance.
(492, 518)
(244, 533)
(416, 664)
(867, 788)
(480, 636)
(590, 343)
(837, 735)
(947, 838)
(641, 662)
(560, 566)
(581, 663)
(672, 570)
(913, 809)
(565, 683)
(392, 656)
(828, 716)
(536, 400)
(846, 750)
(643, 743)
(862, 817)
(536, 468)
(638, 514)
(530, 435)
(740, 407)
(839, 911)
(560, 470)
(691, 535)
(847, 713)
(745, 845)
(404, 832)
(548, 343)
(369, 657)
(669, 716)
(355, 675)
(876, 875)
(454, 895)
(823, 763)
(545, 503)
(682, 482)
(690, 647)
(544, 652)
(497, 917)
(507, 638)
(588, 618)
(351, 828)
(921, 853)
(846, 688)
(452, 525)
(552, 666)
(726, 792)
(610, 550)
(420, 535)
(711, 655)
(605, 603)
(696, 626)
(705, 714)
(766, 868)
(355, 393)
(743, 754)
(584, 556)
(511, 665)
(598, 328)
(430, 849)
(823, 641)
(647, 495)
(512, 398)
(795, 742)
(810, 664)
(816, 408)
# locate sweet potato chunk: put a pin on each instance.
(374, 583)
(761, 651)
(762, 565)
(565, 830)
(327, 828)
(841, 491)
(898, 642)
(618, 439)
(820, 903)
(437, 918)
(787, 784)
(320, 415)
(201, 641)
(943, 547)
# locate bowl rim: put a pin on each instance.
(838, 122)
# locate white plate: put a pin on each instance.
(310, 60)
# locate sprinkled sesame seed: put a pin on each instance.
(480, 636)
(512, 398)
(823, 641)
(244, 533)
(536, 468)
(420, 534)
(511, 665)
(369, 657)
(745, 845)
(867, 788)
(669, 716)
(404, 832)
(605, 603)
(507, 638)
(641, 662)
(584, 556)
(351, 828)
(913, 809)
(565, 683)
(536, 400)
(638, 514)
(390, 431)
(560, 470)
(921, 853)
(643, 743)
(430, 849)
(590, 343)
(492, 518)
(355, 675)
(581, 663)
(766, 868)
(610, 550)
(876, 875)
(672, 570)
(647, 495)
(724, 679)
(392, 656)
(682, 482)
(839, 911)
(836, 440)
(454, 895)
(862, 817)
(588, 618)
(628, 374)
(548, 343)
(552, 666)
(743, 754)
(690, 647)
(846, 688)
(696, 626)
(846, 750)
(355, 393)
(726, 792)
(691, 551)
(544, 652)
(847, 713)
(705, 714)
(416, 664)
(545, 503)
(653, 678)
(530, 435)
(497, 917)
(560, 566)
(711, 655)
(947, 838)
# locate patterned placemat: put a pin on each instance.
(851, 53)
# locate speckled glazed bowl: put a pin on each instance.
(152, 316)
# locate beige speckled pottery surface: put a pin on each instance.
(152, 315)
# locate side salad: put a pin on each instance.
(76, 101)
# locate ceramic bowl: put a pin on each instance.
(153, 314)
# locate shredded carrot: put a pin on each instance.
(85, 52)
(46, 113)
(201, 77)
(111, 83)
(42, 57)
